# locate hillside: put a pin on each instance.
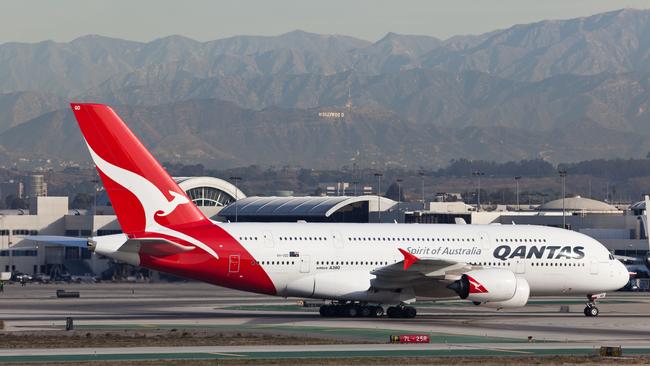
(562, 90)
(614, 42)
(221, 134)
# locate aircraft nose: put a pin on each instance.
(622, 274)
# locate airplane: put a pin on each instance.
(358, 269)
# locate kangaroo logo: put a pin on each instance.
(178, 199)
(153, 201)
(476, 287)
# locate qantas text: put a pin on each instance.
(504, 252)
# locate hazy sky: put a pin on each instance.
(144, 20)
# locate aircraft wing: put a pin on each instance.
(416, 272)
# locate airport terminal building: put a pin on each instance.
(51, 216)
(217, 198)
(623, 230)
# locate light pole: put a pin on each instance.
(355, 187)
(421, 173)
(478, 174)
(562, 173)
(517, 184)
(399, 194)
(235, 179)
(378, 175)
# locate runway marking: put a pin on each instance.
(507, 350)
(227, 354)
(490, 348)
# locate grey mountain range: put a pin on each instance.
(560, 90)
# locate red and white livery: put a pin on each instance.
(359, 267)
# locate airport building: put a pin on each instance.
(51, 216)
(311, 209)
(623, 231)
(217, 198)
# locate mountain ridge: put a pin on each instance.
(515, 93)
(221, 134)
(617, 41)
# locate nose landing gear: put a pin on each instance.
(591, 309)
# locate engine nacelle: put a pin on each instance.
(492, 286)
(518, 300)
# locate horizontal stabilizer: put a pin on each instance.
(68, 241)
(157, 247)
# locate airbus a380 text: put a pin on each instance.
(361, 268)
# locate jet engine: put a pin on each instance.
(493, 287)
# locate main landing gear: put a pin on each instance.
(401, 312)
(591, 309)
(354, 310)
(351, 310)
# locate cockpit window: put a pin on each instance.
(611, 257)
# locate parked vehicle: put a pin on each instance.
(21, 277)
(42, 277)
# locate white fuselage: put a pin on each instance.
(552, 260)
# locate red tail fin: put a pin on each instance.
(141, 192)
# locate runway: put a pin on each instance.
(314, 351)
(456, 328)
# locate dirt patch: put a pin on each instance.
(410, 361)
(152, 338)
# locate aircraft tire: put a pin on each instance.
(394, 312)
(327, 311)
(409, 312)
(366, 311)
(391, 312)
(377, 312)
(351, 311)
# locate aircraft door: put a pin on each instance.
(593, 268)
(233, 263)
(484, 239)
(268, 240)
(337, 240)
(305, 264)
(520, 266)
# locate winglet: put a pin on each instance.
(409, 258)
